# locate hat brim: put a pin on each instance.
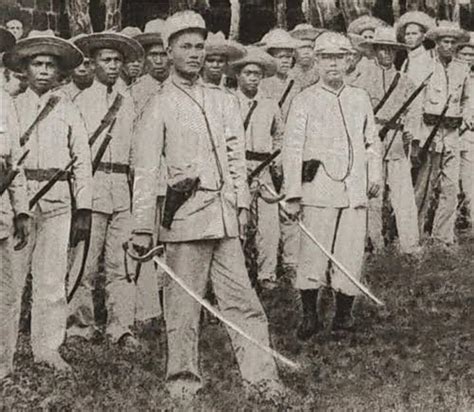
(464, 44)
(388, 43)
(232, 52)
(420, 19)
(170, 36)
(334, 50)
(439, 32)
(129, 48)
(69, 56)
(282, 45)
(7, 40)
(149, 39)
(269, 67)
(306, 34)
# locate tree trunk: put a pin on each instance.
(234, 30)
(113, 15)
(79, 18)
(280, 12)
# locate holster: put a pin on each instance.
(309, 170)
(176, 196)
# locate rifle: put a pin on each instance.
(255, 172)
(51, 182)
(249, 114)
(388, 93)
(43, 114)
(286, 93)
(103, 147)
(13, 173)
(392, 122)
(107, 119)
(422, 155)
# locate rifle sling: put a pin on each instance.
(388, 93)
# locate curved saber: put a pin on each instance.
(339, 265)
(218, 315)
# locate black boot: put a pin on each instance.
(343, 320)
(310, 324)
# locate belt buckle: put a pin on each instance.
(108, 168)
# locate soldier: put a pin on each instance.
(465, 51)
(364, 26)
(14, 199)
(157, 68)
(411, 30)
(450, 80)
(82, 76)
(330, 124)
(305, 72)
(132, 70)
(52, 130)
(219, 52)
(105, 102)
(263, 134)
(204, 151)
(282, 88)
(377, 79)
(15, 27)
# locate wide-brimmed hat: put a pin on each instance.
(306, 31)
(358, 43)
(468, 42)
(7, 40)
(43, 43)
(447, 28)
(333, 43)
(216, 43)
(279, 39)
(414, 17)
(255, 55)
(152, 34)
(183, 21)
(363, 23)
(130, 49)
(385, 36)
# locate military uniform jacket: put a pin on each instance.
(71, 90)
(111, 189)
(304, 78)
(337, 128)
(14, 199)
(199, 132)
(376, 80)
(418, 65)
(143, 90)
(53, 143)
(274, 87)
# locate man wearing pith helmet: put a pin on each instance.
(379, 76)
(56, 139)
(330, 125)
(205, 157)
(219, 53)
(263, 135)
(450, 80)
(14, 215)
(305, 72)
(465, 52)
(111, 200)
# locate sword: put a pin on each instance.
(330, 256)
(208, 306)
(255, 172)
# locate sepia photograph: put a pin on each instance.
(237, 205)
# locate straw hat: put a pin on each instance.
(43, 43)
(183, 21)
(255, 55)
(152, 33)
(447, 28)
(130, 49)
(216, 43)
(363, 23)
(385, 36)
(306, 31)
(333, 43)
(279, 39)
(468, 42)
(7, 40)
(414, 17)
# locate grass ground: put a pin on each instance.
(413, 354)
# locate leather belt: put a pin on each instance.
(43, 175)
(256, 156)
(449, 122)
(113, 168)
